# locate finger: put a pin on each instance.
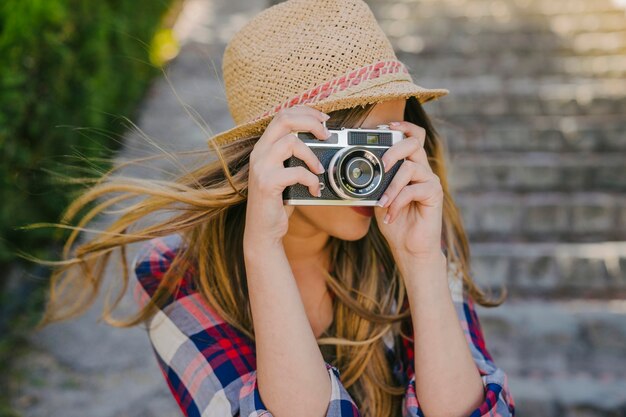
(298, 175)
(284, 123)
(290, 145)
(420, 157)
(400, 150)
(427, 194)
(408, 171)
(307, 109)
(410, 130)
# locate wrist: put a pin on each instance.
(254, 248)
(436, 257)
(411, 264)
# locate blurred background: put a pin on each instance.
(535, 124)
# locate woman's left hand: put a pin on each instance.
(411, 214)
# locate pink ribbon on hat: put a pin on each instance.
(340, 83)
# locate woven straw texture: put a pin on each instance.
(328, 54)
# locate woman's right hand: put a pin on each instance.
(267, 218)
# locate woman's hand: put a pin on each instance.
(266, 216)
(411, 217)
(284, 338)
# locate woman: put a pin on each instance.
(239, 290)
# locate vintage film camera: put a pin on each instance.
(354, 173)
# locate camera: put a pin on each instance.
(354, 174)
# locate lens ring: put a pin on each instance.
(336, 173)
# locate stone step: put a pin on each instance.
(581, 8)
(569, 28)
(507, 64)
(543, 216)
(528, 46)
(485, 87)
(568, 395)
(538, 171)
(443, 31)
(567, 24)
(551, 270)
(557, 338)
(568, 134)
(529, 43)
(555, 100)
(600, 66)
(501, 12)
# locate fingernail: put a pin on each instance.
(327, 133)
(394, 123)
(386, 219)
(320, 167)
(326, 117)
(319, 193)
(382, 201)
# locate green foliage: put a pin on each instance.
(71, 70)
(66, 65)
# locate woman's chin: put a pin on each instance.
(353, 230)
(353, 237)
(341, 222)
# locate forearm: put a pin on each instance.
(290, 367)
(447, 381)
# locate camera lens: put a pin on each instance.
(355, 173)
(359, 172)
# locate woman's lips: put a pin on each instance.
(364, 211)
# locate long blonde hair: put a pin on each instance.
(209, 206)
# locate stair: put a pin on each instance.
(559, 338)
(535, 128)
(552, 270)
(568, 395)
(578, 216)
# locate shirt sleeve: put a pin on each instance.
(498, 400)
(209, 365)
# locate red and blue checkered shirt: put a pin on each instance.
(210, 366)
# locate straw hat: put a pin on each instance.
(328, 54)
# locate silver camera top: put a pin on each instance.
(381, 137)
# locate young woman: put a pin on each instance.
(256, 308)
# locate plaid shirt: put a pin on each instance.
(210, 366)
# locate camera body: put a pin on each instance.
(354, 173)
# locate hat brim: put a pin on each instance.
(383, 92)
